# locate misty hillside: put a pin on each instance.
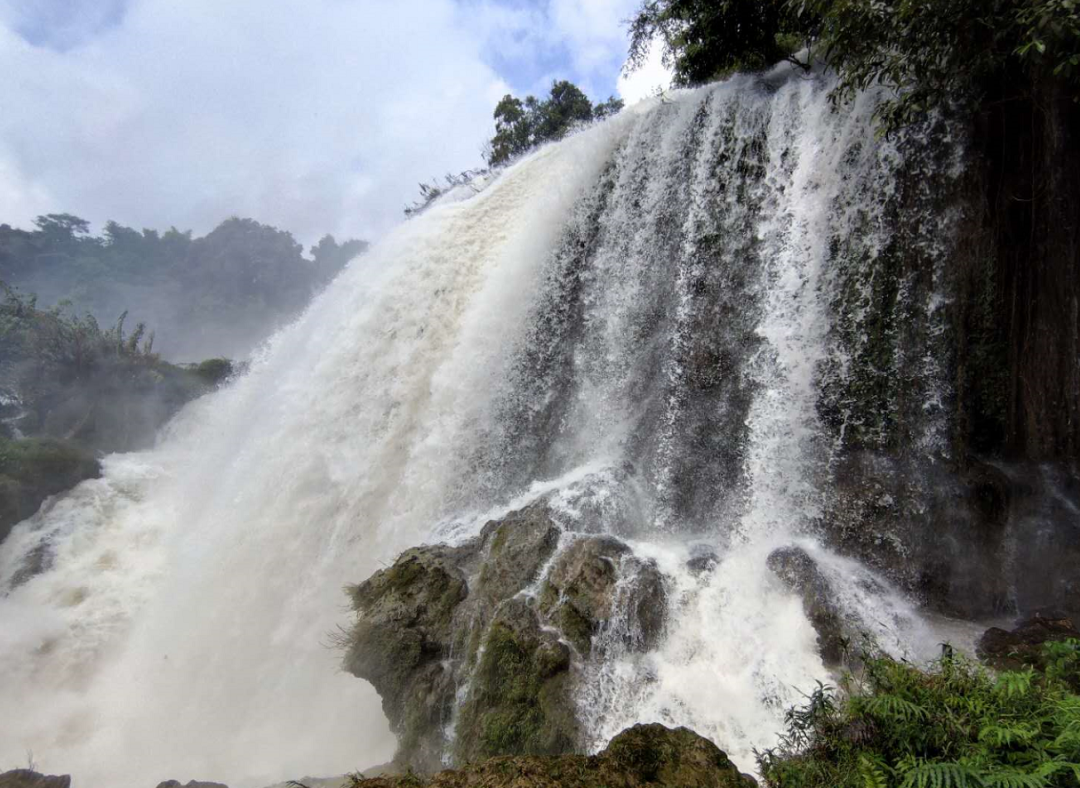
(216, 295)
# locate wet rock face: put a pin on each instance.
(645, 755)
(598, 577)
(936, 533)
(992, 539)
(403, 637)
(482, 640)
(800, 573)
(26, 778)
(1023, 645)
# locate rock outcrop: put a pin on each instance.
(801, 574)
(33, 469)
(645, 755)
(474, 649)
(27, 778)
(1023, 645)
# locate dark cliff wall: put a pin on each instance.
(1019, 382)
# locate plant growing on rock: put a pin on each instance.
(951, 726)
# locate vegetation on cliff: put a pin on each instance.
(522, 125)
(70, 389)
(931, 53)
(950, 726)
(217, 294)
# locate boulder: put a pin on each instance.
(403, 639)
(519, 697)
(592, 578)
(1023, 645)
(800, 573)
(702, 563)
(644, 755)
(27, 778)
(190, 784)
(33, 469)
(491, 631)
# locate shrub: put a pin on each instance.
(950, 726)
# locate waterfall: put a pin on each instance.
(641, 320)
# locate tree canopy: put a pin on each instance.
(220, 293)
(930, 52)
(521, 125)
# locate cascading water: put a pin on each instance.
(634, 319)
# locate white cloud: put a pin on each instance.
(594, 30)
(317, 116)
(313, 115)
(646, 80)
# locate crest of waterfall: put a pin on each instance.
(651, 321)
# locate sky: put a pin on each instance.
(316, 116)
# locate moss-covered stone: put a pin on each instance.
(449, 628)
(645, 755)
(517, 548)
(518, 699)
(582, 591)
(33, 469)
(214, 371)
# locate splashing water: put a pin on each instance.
(633, 318)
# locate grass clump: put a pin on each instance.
(954, 725)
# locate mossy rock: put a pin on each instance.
(33, 469)
(214, 371)
(645, 755)
(445, 620)
(517, 547)
(518, 701)
(583, 589)
(406, 614)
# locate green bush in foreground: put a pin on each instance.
(952, 726)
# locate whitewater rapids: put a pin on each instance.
(644, 305)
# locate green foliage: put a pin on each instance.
(102, 388)
(522, 125)
(705, 39)
(224, 291)
(35, 468)
(952, 726)
(931, 53)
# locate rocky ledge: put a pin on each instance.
(645, 755)
(475, 649)
(1022, 646)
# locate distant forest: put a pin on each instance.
(216, 295)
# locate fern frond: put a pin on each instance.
(1015, 684)
(1008, 735)
(1008, 778)
(942, 775)
(886, 707)
(872, 770)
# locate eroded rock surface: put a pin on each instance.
(645, 755)
(801, 574)
(1023, 645)
(483, 639)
